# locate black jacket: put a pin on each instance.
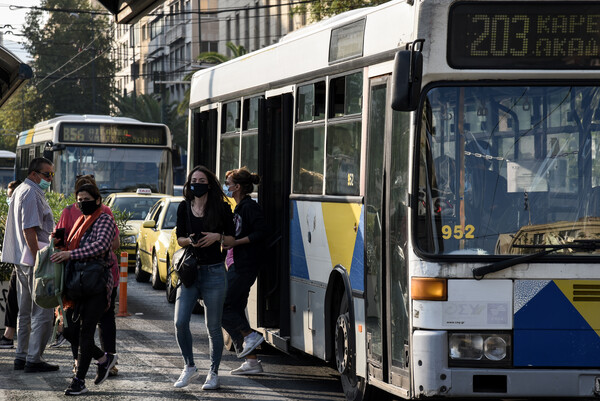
(249, 222)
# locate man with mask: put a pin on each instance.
(28, 227)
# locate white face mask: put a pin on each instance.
(9, 200)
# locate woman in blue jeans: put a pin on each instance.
(205, 223)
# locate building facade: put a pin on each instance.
(158, 52)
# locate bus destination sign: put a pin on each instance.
(116, 134)
(524, 35)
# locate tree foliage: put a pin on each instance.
(322, 9)
(210, 58)
(71, 59)
(148, 108)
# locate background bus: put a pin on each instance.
(442, 247)
(7, 168)
(122, 153)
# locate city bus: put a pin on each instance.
(122, 153)
(430, 174)
(7, 168)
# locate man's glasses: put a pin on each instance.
(47, 175)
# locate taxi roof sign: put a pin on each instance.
(144, 191)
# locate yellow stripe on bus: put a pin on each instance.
(341, 225)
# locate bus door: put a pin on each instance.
(204, 143)
(274, 167)
(386, 203)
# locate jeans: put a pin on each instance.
(211, 287)
(234, 312)
(82, 319)
(34, 326)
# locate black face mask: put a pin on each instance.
(199, 189)
(88, 207)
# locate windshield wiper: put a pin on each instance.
(585, 245)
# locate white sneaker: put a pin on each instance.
(187, 374)
(248, 369)
(212, 382)
(251, 341)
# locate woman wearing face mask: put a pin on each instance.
(211, 220)
(90, 239)
(243, 261)
(107, 325)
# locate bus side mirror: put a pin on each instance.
(50, 148)
(176, 156)
(406, 81)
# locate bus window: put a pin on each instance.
(345, 95)
(343, 159)
(308, 160)
(231, 117)
(230, 154)
(250, 113)
(311, 102)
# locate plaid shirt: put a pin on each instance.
(98, 241)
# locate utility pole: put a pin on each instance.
(94, 108)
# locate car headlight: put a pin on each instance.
(129, 239)
(479, 348)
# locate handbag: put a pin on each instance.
(85, 278)
(184, 260)
(186, 266)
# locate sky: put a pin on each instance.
(15, 18)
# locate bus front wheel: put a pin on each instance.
(354, 387)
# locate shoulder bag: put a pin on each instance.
(184, 259)
(85, 278)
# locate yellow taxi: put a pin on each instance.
(153, 241)
(172, 280)
(138, 204)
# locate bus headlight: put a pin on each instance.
(479, 348)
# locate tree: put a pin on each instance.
(148, 108)
(321, 9)
(209, 58)
(71, 58)
(16, 115)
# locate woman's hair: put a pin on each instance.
(85, 179)
(213, 210)
(91, 189)
(244, 178)
(13, 184)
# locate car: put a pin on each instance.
(138, 204)
(153, 242)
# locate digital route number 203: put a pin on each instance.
(458, 232)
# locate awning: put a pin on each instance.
(130, 11)
(13, 74)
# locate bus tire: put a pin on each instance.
(355, 388)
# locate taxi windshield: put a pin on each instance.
(503, 170)
(137, 206)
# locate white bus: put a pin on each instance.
(7, 168)
(431, 173)
(122, 153)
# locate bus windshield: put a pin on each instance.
(116, 169)
(506, 170)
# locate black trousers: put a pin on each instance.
(107, 328)
(81, 321)
(12, 304)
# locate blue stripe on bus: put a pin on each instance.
(298, 267)
(550, 332)
(358, 265)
